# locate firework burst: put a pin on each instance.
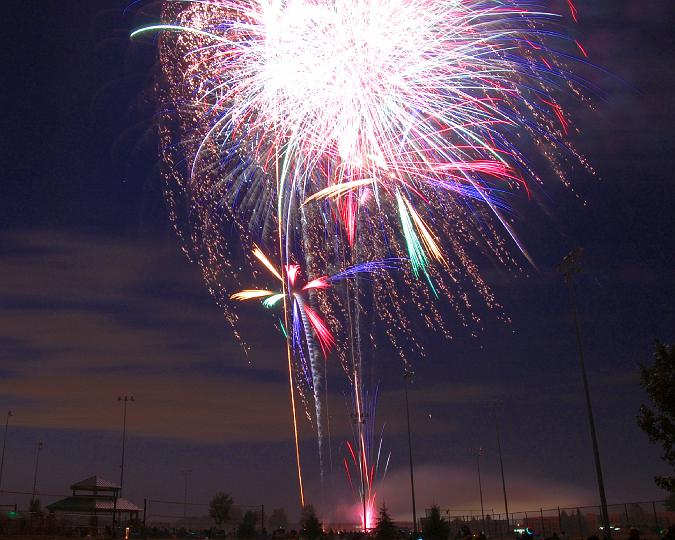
(401, 120)
(336, 132)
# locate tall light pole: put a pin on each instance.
(4, 444)
(40, 446)
(186, 473)
(407, 377)
(495, 404)
(125, 400)
(479, 453)
(568, 268)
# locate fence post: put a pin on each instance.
(145, 513)
(656, 519)
(560, 521)
(581, 530)
(625, 509)
(543, 528)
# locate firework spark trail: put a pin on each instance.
(365, 455)
(336, 132)
(307, 325)
(312, 325)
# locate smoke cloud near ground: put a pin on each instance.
(455, 487)
(450, 485)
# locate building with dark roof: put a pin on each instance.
(96, 497)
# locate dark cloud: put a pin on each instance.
(83, 318)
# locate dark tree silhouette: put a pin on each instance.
(658, 421)
(310, 526)
(220, 507)
(435, 527)
(247, 526)
(278, 519)
(384, 528)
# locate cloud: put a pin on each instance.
(83, 320)
(195, 407)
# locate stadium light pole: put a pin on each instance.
(407, 377)
(4, 444)
(186, 473)
(118, 493)
(40, 446)
(568, 267)
(480, 452)
(125, 400)
(495, 404)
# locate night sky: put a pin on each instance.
(96, 299)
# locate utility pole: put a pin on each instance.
(479, 453)
(4, 444)
(40, 446)
(186, 473)
(407, 378)
(495, 404)
(568, 268)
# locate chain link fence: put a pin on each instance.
(651, 518)
(195, 516)
(19, 517)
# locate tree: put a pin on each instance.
(247, 525)
(435, 527)
(278, 519)
(310, 526)
(658, 421)
(384, 527)
(220, 508)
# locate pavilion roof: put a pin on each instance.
(95, 483)
(87, 505)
